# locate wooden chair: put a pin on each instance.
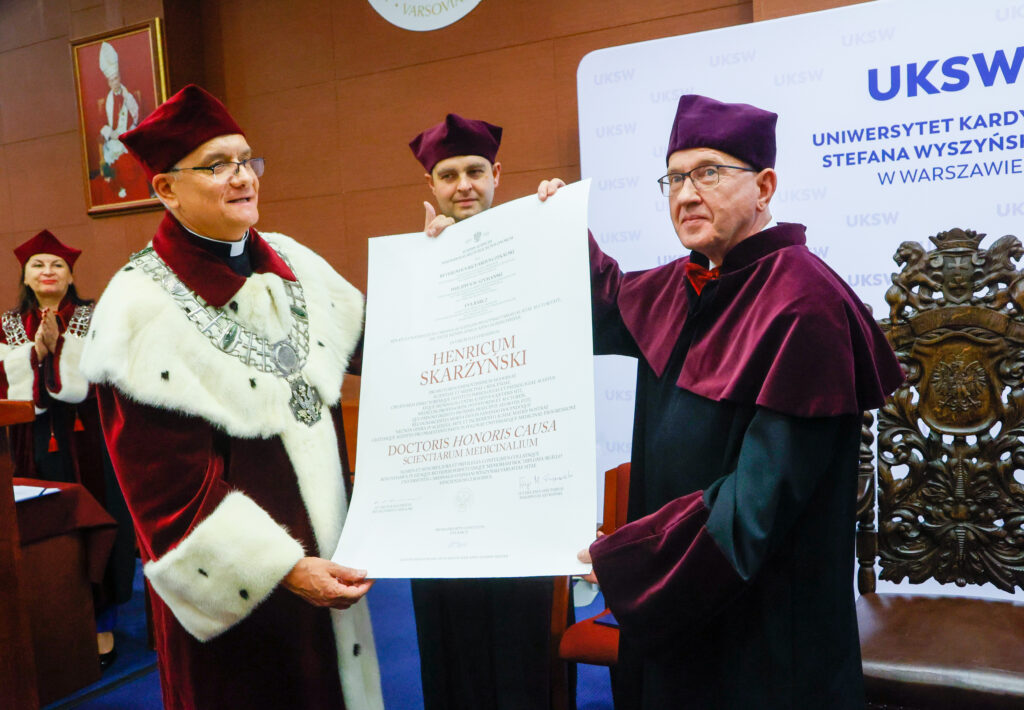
(17, 660)
(588, 641)
(949, 482)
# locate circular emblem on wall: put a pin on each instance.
(423, 15)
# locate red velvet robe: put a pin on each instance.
(24, 377)
(226, 488)
(66, 409)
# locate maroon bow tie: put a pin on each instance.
(699, 276)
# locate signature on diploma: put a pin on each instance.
(542, 485)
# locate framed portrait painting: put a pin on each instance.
(120, 78)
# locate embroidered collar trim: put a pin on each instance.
(284, 359)
(14, 328)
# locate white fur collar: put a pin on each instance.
(141, 343)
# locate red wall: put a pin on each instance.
(330, 94)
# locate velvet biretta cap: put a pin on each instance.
(179, 125)
(46, 243)
(453, 136)
(741, 130)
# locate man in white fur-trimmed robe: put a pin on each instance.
(219, 353)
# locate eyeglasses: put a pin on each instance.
(705, 177)
(228, 168)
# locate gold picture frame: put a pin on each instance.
(120, 78)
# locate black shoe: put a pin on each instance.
(107, 659)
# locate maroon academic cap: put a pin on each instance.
(741, 130)
(179, 125)
(46, 243)
(456, 135)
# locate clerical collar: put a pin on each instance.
(219, 247)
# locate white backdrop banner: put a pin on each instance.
(898, 119)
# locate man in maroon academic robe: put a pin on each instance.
(733, 581)
(219, 353)
(484, 643)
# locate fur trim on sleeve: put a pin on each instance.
(357, 657)
(21, 375)
(69, 384)
(225, 568)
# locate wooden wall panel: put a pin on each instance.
(331, 94)
(296, 130)
(41, 181)
(493, 24)
(45, 183)
(89, 21)
(771, 9)
(46, 98)
(27, 22)
(5, 189)
(319, 219)
(272, 46)
(131, 12)
(380, 113)
(571, 50)
(79, 5)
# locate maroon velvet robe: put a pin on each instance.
(733, 580)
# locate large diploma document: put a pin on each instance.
(476, 452)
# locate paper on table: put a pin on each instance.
(25, 492)
(476, 453)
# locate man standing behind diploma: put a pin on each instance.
(483, 642)
(219, 354)
(733, 584)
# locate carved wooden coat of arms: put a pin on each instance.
(950, 457)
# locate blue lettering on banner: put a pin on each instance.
(872, 219)
(616, 129)
(617, 183)
(619, 237)
(875, 279)
(797, 78)
(619, 395)
(806, 194)
(721, 60)
(616, 447)
(924, 78)
(887, 132)
(669, 96)
(869, 37)
(1010, 209)
(614, 77)
(996, 141)
(667, 258)
(886, 155)
(956, 171)
(1010, 12)
(819, 251)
